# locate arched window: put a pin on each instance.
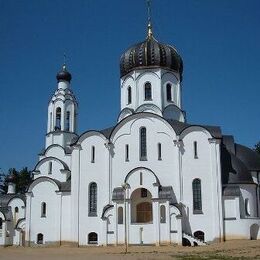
(143, 149)
(247, 207)
(169, 92)
(199, 235)
(92, 238)
(1, 223)
(43, 210)
(148, 91)
(144, 212)
(162, 214)
(196, 189)
(40, 238)
(129, 95)
(93, 199)
(58, 119)
(16, 209)
(67, 125)
(120, 215)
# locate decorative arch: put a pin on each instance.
(127, 78)
(140, 169)
(151, 107)
(147, 73)
(124, 113)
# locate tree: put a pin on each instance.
(257, 147)
(22, 179)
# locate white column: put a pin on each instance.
(75, 182)
(29, 196)
(59, 216)
(217, 188)
(156, 221)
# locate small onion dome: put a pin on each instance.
(10, 178)
(150, 54)
(63, 75)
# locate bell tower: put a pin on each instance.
(62, 112)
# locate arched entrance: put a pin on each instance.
(141, 206)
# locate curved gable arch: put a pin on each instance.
(44, 179)
(16, 197)
(64, 165)
(52, 146)
(194, 128)
(135, 117)
(90, 133)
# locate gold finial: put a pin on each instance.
(150, 32)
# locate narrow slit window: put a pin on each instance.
(159, 151)
(120, 215)
(50, 122)
(93, 154)
(50, 168)
(162, 214)
(196, 190)
(126, 152)
(148, 91)
(195, 148)
(93, 199)
(67, 121)
(143, 146)
(169, 92)
(43, 210)
(141, 178)
(129, 95)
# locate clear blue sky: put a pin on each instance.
(219, 41)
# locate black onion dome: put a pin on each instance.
(63, 75)
(148, 54)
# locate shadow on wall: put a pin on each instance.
(254, 229)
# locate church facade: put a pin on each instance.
(152, 178)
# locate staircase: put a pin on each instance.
(193, 240)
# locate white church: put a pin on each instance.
(151, 178)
